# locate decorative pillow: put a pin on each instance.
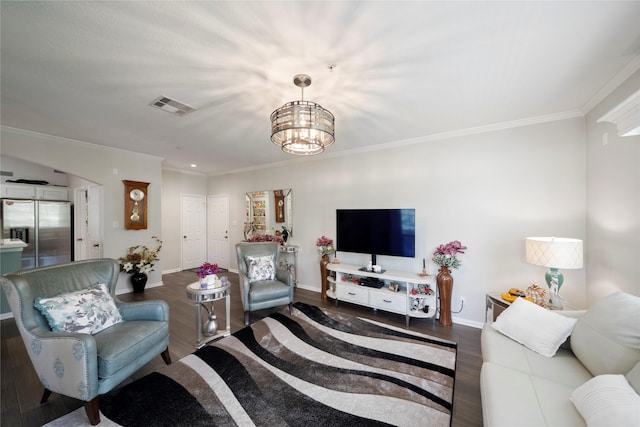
(85, 311)
(611, 325)
(607, 400)
(260, 268)
(536, 328)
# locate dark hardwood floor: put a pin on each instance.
(21, 391)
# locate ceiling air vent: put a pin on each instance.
(172, 106)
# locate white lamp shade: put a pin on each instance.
(554, 252)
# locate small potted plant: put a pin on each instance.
(208, 274)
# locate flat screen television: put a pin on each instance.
(377, 232)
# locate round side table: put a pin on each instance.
(200, 297)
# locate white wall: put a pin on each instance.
(21, 169)
(613, 202)
(174, 185)
(490, 191)
(96, 163)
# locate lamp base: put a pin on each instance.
(554, 276)
(556, 302)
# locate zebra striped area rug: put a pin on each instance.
(313, 368)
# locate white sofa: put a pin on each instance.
(521, 387)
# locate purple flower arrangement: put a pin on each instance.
(325, 245)
(445, 255)
(207, 269)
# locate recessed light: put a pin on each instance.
(193, 165)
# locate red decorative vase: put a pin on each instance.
(445, 286)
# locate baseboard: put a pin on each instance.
(307, 288)
(467, 322)
(171, 270)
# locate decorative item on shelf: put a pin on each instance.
(208, 274)
(302, 127)
(555, 253)
(537, 294)
(421, 289)
(513, 294)
(285, 234)
(423, 273)
(445, 257)
(325, 247)
(138, 262)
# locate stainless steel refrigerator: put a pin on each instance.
(45, 226)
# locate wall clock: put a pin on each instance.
(135, 205)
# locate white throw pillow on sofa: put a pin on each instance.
(537, 328)
(607, 400)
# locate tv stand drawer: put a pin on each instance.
(354, 294)
(388, 301)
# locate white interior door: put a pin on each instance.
(95, 235)
(194, 244)
(80, 215)
(88, 223)
(218, 230)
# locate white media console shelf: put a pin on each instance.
(410, 298)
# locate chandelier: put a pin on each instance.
(302, 127)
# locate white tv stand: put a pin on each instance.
(344, 287)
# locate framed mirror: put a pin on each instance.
(269, 212)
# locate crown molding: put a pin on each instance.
(33, 134)
(607, 89)
(626, 116)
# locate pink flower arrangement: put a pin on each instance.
(207, 269)
(325, 245)
(264, 238)
(445, 255)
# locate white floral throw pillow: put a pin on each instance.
(260, 268)
(87, 311)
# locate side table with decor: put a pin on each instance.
(496, 304)
(207, 330)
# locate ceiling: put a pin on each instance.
(403, 70)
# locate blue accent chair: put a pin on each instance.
(260, 294)
(81, 365)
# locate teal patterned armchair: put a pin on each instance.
(262, 283)
(85, 365)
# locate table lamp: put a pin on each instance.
(555, 253)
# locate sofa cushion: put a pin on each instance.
(118, 346)
(86, 311)
(563, 368)
(607, 400)
(511, 398)
(268, 290)
(537, 328)
(605, 338)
